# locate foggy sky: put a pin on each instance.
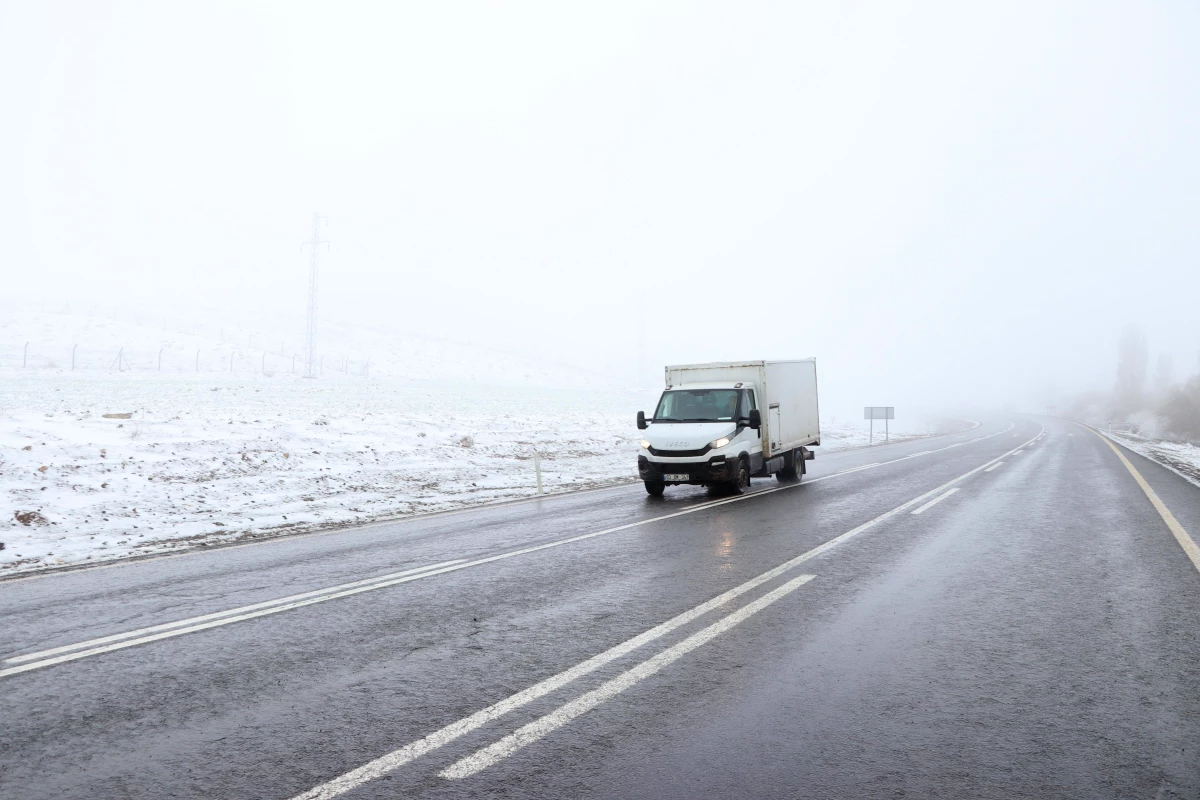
(944, 203)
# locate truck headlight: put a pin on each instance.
(724, 440)
(645, 444)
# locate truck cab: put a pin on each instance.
(714, 432)
(702, 434)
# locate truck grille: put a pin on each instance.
(654, 451)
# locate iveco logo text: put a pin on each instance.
(677, 444)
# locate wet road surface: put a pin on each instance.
(1000, 613)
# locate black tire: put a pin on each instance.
(791, 473)
(655, 488)
(741, 480)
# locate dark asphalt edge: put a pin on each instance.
(1150, 458)
(1130, 451)
(1141, 461)
(267, 537)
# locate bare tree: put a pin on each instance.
(1163, 374)
(1181, 410)
(1132, 360)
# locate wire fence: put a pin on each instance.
(76, 357)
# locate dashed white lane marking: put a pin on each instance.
(993, 466)
(398, 758)
(935, 501)
(540, 728)
(119, 641)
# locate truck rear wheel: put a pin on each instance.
(655, 488)
(794, 469)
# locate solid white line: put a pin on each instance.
(155, 633)
(219, 614)
(540, 728)
(935, 501)
(397, 758)
(1017, 453)
(993, 466)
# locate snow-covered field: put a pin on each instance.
(202, 459)
(211, 457)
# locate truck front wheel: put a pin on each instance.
(741, 479)
(655, 488)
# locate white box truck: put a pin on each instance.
(720, 424)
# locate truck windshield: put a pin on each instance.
(697, 405)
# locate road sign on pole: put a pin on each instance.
(879, 412)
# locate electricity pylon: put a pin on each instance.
(310, 334)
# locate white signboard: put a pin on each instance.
(879, 412)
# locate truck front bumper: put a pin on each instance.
(717, 469)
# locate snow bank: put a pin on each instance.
(1181, 457)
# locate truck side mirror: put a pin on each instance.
(642, 421)
(755, 418)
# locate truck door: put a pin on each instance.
(775, 429)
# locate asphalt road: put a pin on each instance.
(948, 618)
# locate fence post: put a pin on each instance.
(25, 356)
(293, 363)
(160, 354)
(537, 468)
(73, 356)
(231, 355)
(197, 361)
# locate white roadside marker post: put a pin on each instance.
(537, 468)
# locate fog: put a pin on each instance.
(948, 205)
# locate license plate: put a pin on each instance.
(676, 477)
